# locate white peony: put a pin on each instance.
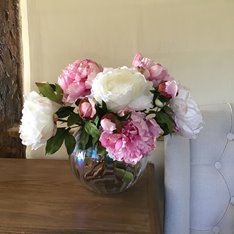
(188, 117)
(37, 124)
(122, 88)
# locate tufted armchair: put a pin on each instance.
(199, 177)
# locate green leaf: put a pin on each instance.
(104, 107)
(56, 141)
(100, 110)
(164, 99)
(165, 121)
(64, 111)
(59, 92)
(124, 175)
(92, 130)
(90, 143)
(101, 150)
(96, 120)
(70, 142)
(84, 138)
(47, 90)
(74, 119)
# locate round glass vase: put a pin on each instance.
(102, 174)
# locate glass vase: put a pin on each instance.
(102, 174)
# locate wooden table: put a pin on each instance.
(43, 196)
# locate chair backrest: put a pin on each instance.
(199, 176)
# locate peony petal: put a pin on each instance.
(122, 88)
(37, 124)
(188, 116)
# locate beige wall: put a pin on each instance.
(194, 39)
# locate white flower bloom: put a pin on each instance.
(122, 88)
(188, 117)
(37, 120)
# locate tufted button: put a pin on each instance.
(218, 165)
(232, 200)
(230, 136)
(216, 230)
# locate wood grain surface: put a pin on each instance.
(10, 78)
(43, 196)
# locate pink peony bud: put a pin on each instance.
(110, 123)
(86, 108)
(168, 89)
(152, 71)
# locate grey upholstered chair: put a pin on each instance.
(199, 177)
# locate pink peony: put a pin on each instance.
(86, 108)
(168, 89)
(76, 79)
(108, 125)
(152, 71)
(136, 139)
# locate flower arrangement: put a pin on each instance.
(120, 112)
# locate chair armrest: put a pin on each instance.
(177, 185)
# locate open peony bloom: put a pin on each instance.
(122, 88)
(152, 71)
(188, 116)
(37, 120)
(136, 140)
(76, 79)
